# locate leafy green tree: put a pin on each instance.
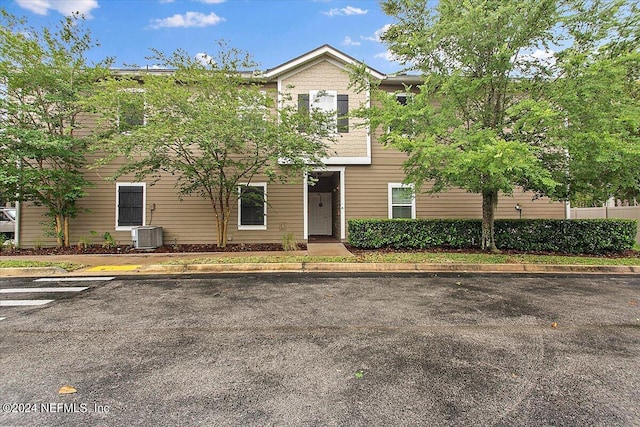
(211, 126)
(597, 92)
(44, 77)
(490, 116)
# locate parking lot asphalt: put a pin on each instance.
(328, 349)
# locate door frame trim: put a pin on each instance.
(305, 202)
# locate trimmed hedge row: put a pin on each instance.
(414, 233)
(576, 236)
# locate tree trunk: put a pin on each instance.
(489, 205)
(66, 231)
(225, 231)
(218, 230)
(222, 225)
(59, 230)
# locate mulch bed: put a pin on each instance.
(274, 247)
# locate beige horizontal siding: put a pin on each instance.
(187, 221)
(192, 220)
(367, 194)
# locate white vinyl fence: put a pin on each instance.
(624, 212)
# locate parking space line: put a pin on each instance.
(41, 290)
(24, 302)
(74, 279)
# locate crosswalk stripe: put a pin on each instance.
(74, 279)
(24, 302)
(30, 290)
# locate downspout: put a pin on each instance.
(16, 233)
(18, 225)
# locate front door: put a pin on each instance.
(320, 219)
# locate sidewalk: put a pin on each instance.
(153, 263)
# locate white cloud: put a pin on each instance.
(377, 35)
(41, 7)
(385, 55)
(348, 42)
(534, 59)
(166, 1)
(545, 56)
(349, 10)
(204, 58)
(65, 7)
(189, 19)
(212, 1)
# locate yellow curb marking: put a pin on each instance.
(114, 268)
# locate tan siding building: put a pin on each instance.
(359, 180)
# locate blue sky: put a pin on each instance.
(272, 31)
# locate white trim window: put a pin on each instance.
(253, 105)
(404, 98)
(324, 100)
(131, 110)
(402, 201)
(252, 206)
(329, 102)
(407, 127)
(131, 199)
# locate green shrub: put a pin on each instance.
(527, 235)
(414, 233)
(577, 236)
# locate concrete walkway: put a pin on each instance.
(327, 249)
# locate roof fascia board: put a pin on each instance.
(314, 54)
(311, 64)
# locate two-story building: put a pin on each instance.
(361, 179)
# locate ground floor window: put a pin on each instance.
(252, 206)
(130, 203)
(402, 201)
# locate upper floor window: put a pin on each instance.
(328, 101)
(253, 105)
(402, 123)
(131, 110)
(402, 98)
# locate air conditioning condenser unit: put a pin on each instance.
(146, 237)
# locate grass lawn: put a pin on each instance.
(420, 257)
(25, 264)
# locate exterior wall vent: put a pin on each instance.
(146, 237)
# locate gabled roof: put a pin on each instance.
(324, 50)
